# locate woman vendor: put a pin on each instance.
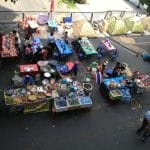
(98, 77)
(118, 69)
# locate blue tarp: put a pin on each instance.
(117, 80)
(63, 47)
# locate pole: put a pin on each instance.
(51, 7)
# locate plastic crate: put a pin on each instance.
(126, 96)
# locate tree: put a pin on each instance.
(147, 2)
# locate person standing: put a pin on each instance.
(75, 68)
(145, 128)
(98, 77)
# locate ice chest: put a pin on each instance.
(115, 95)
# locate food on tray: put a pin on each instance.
(17, 100)
(40, 95)
(61, 103)
(27, 69)
(73, 102)
(32, 97)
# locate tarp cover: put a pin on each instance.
(116, 26)
(83, 28)
(134, 24)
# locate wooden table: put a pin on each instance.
(31, 69)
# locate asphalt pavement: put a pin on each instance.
(106, 126)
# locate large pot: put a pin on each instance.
(87, 88)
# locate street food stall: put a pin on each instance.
(63, 49)
(27, 99)
(31, 69)
(8, 47)
(87, 47)
(84, 48)
(63, 95)
(71, 96)
(115, 89)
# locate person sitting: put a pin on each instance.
(100, 51)
(44, 53)
(28, 80)
(117, 70)
(75, 68)
(65, 37)
(51, 40)
(28, 52)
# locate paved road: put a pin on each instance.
(105, 126)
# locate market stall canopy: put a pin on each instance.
(134, 24)
(116, 26)
(83, 28)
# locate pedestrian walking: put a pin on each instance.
(145, 128)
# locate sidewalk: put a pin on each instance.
(97, 6)
(131, 43)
